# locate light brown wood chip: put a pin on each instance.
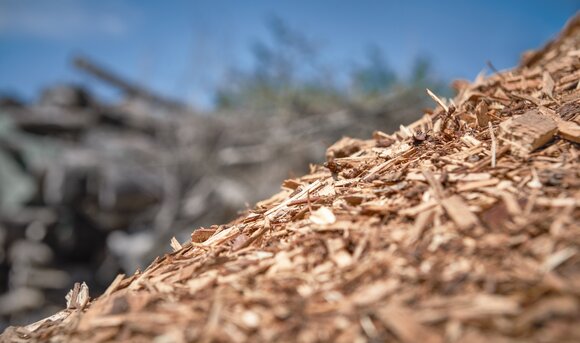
(459, 212)
(527, 132)
(569, 130)
(403, 324)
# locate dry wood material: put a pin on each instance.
(569, 130)
(459, 212)
(528, 132)
(91, 186)
(409, 237)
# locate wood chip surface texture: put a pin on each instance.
(418, 239)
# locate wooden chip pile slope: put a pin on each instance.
(463, 226)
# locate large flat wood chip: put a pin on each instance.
(459, 212)
(527, 132)
(569, 130)
(403, 323)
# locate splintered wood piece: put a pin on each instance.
(403, 323)
(481, 114)
(434, 183)
(323, 216)
(175, 245)
(257, 234)
(459, 212)
(201, 235)
(371, 293)
(437, 100)
(548, 84)
(527, 132)
(55, 318)
(569, 130)
(422, 221)
(78, 297)
(493, 146)
(114, 285)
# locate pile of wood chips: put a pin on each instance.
(463, 226)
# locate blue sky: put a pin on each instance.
(184, 48)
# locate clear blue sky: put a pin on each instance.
(183, 48)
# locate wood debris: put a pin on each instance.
(396, 239)
(92, 186)
(78, 297)
(528, 132)
(481, 114)
(569, 130)
(459, 212)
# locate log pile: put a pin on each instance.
(89, 188)
(460, 227)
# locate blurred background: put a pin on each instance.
(124, 123)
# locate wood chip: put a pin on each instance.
(437, 100)
(569, 130)
(405, 327)
(459, 212)
(175, 245)
(323, 216)
(78, 297)
(481, 114)
(527, 132)
(493, 146)
(548, 84)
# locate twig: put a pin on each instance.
(494, 69)
(175, 245)
(493, 145)
(437, 100)
(438, 191)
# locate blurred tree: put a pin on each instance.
(423, 76)
(288, 75)
(373, 78)
(421, 71)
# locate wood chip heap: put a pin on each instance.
(461, 227)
